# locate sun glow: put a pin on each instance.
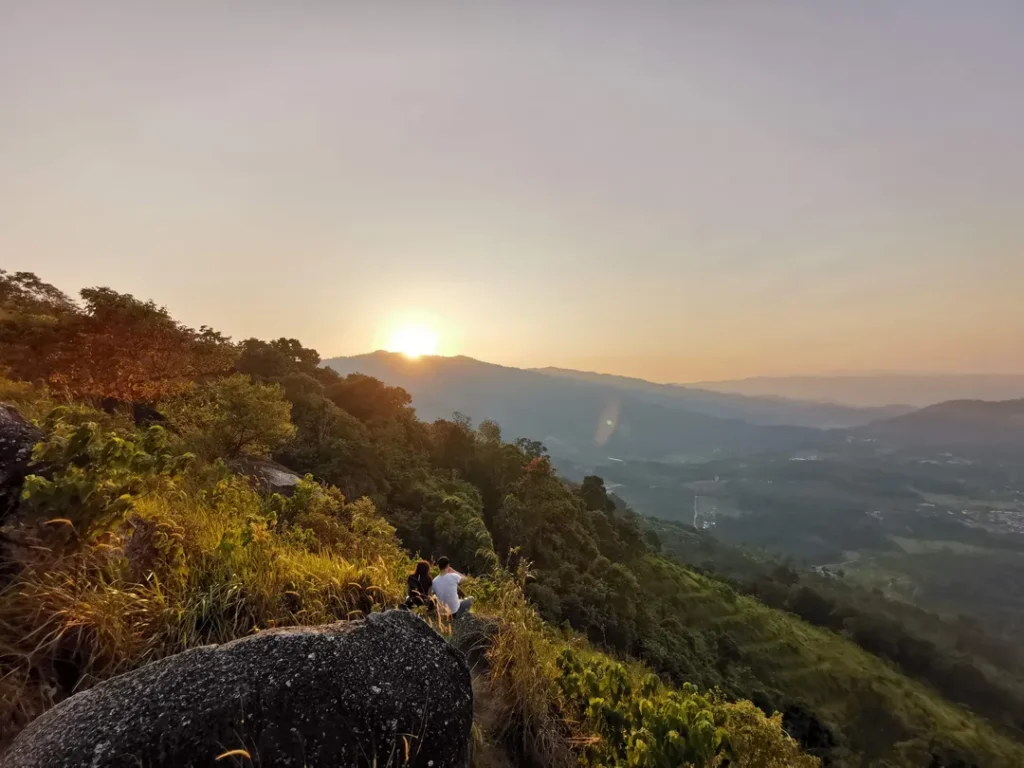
(413, 341)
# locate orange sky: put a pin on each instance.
(690, 192)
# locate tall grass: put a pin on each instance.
(194, 564)
(522, 677)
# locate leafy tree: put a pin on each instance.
(440, 515)
(454, 444)
(332, 445)
(638, 723)
(533, 449)
(334, 523)
(274, 360)
(114, 346)
(367, 398)
(489, 432)
(25, 293)
(32, 314)
(595, 496)
(232, 417)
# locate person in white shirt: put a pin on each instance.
(446, 588)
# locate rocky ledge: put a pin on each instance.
(385, 691)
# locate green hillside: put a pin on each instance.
(149, 533)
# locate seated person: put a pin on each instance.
(446, 588)
(418, 585)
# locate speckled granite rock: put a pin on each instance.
(17, 438)
(362, 693)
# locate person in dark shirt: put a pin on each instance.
(418, 585)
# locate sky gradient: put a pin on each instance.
(677, 191)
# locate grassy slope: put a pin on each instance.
(201, 557)
(837, 679)
(223, 567)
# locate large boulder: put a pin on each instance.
(17, 438)
(267, 474)
(384, 691)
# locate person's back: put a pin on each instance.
(418, 585)
(414, 591)
(446, 588)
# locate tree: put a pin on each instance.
(759, 741)
(273, 360)
(489, 432)
(533, 449)
(232, 417)
(454, 510)
(25, 293)
(454, 443)
(114, 346)
(33, 315)
(367, 398)
(331, 444)
(133, 351)
(94, 476)
(595, 496)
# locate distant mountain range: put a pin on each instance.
(756, 409)
(872, 390)
(957, 423)
(589, 417)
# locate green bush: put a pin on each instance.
(232, 417)
(634, 721)
(95, 476)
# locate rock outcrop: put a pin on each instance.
(384, 691)
(17, 438)
(267, 474)
(473, 635)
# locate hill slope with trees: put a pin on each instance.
(135, 538)
(586, 420)
(956, 423)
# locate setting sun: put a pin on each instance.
(413, 341)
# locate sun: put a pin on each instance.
(413, 341)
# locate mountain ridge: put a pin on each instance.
(796, 410)
(578, 419)
(876, 389)
(956, 423)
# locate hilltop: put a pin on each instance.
(142, 531)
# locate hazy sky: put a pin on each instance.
(677, 190)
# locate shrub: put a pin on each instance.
(634, 721)
(95, 476)
(231, 417)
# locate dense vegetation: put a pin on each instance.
(140, 538)
(956, 657)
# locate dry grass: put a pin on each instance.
(189, 567)
(522, 678)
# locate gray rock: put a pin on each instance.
(17, 438)
(473, 635)
(386, 691)
(267, 474)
